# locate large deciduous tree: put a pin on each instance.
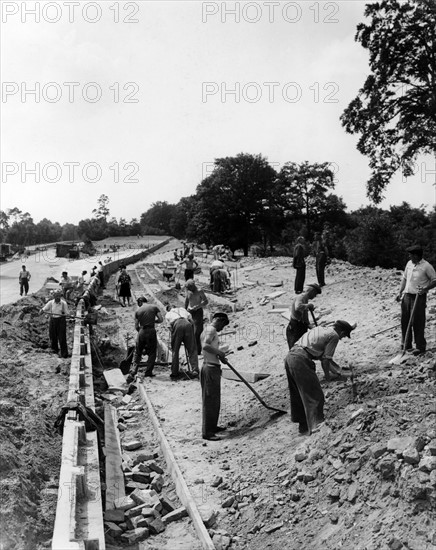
(230, 200)
(304, 188)
(395, 111)
(158, 216)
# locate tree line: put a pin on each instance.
(246, 202)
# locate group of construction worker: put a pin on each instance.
(307, 342)
(319, 343)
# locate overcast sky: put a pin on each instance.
(167, 109)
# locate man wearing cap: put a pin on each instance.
(145, 318)
(299, 321)
(210, 376)
(195, 301)
(307, 397)
(182, 331)
(57, 330)
(418, 278)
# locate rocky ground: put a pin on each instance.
(365, 480)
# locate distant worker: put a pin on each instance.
(320, 250)
(57, 308)
(418, 278)
(176, 255)
(23, 279)
(299, 322)
(216, 264)
(82, 282)
(299, 264)
(145, 318)
(210, 376)
(182, 332)
(195, 301)
(307, 397)
(66, 284)
(123, 285)
(100, 274)
(191, 266)
(221, 280)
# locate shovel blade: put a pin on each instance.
(398, 359)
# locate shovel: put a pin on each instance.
(280, 411)
(400, 357)
(314, 319)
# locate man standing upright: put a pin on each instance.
(320, 250)
(299, 322)
(418, 278)
(299, 264)
(145, 318)
(58, 310)
(210, 376)
(195, 301)
(23, 279)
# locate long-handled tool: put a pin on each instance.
(399, 358)
(178, 271)
(252, 389)
(315, 322)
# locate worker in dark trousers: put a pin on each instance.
(418, 278)
(145, 318)
(23, 279)
(182, 332)
(307, 397)
(195, 301)
(299, 321)
(210, 376)
(320, 250)
(299, 263)
(58, 311)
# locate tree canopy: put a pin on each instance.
(395, 110)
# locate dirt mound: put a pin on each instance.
(32, 393)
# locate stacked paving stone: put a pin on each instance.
(145, 510)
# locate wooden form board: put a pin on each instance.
(114, 472)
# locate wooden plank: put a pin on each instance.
(278, 310)
(275, 294)
(115, 379)
(182, 489)
(228, 374)
(114, 471)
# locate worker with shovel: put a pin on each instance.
(299, 321)
(418, 278)
(210, 375)
(57, 308)
(307, 397)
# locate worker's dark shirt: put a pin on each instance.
(146, 315)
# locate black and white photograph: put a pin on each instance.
(217, 275)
